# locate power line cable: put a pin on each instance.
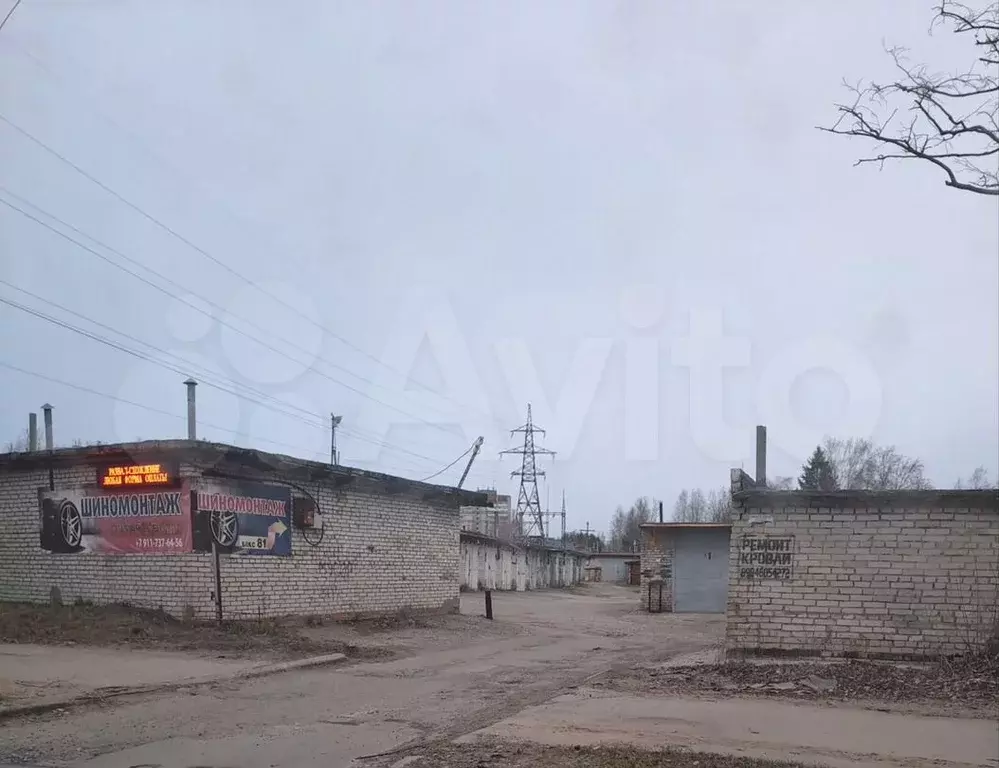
(143, 406)
(207, 374)
(204, 373)
(179, 286)
(191, 368)
(143, 356)
(182, 372)
(153, 409)
(166, 228)
(179, 417)
(442, 471)
(202, 311)
(9, 14)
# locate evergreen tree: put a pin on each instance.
(818, 473)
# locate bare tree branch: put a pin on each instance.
(953, 118)
(861, 465)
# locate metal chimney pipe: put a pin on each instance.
(660, 511)
(32, 432)
(192, 428)
(47, 418)
(761, 456)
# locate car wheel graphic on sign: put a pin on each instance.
(62, 526)
(225, 529)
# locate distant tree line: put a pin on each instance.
(588, 541)
(625, 534)
(836, 465)
(20, 443)
(860, 464)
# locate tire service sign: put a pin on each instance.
(243, 518)
(115, 522)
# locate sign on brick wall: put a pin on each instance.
(766, 557)
(76, 520)
(243, 518)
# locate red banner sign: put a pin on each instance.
(79, 520)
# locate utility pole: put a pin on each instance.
(530, 518)
(475, 452)
(548, 510)
(334, 423)
(563, 518)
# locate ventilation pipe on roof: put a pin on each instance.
(192, 427)
(47, 417)
(761, 456)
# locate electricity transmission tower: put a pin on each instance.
(530, 518)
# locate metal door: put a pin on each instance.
(700, 570)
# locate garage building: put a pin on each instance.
(614, 567)
(684, 567)
(142, 523)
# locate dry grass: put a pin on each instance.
(494, 754)
(971, 681)
(126, 626)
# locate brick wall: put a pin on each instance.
(893, 575)
(657, 562)
(381, 552)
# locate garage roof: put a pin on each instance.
(685, 525)
(212, 458)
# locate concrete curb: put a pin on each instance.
(103, 694)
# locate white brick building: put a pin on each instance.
(387, 543)
(895, 574)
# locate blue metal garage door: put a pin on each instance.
(700, 570)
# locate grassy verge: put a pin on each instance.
(130, 627)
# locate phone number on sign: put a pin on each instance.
(159, 543)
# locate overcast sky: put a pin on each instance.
(591, 206)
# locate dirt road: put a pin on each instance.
(532, 675)
(453, 677)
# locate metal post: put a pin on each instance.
(49, 441)
(334, 421)
(489, 604)
(218, 582)
(32, 432)
(475, 452)
(192, 412)
(761, 456)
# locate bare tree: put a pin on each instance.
(780, 483)
(18, 444)
(862, 465)
(681, 509)
(625, 528)
(698, 506)
(948, 120)
(851, 459)
(618, 525)
(719, 505)
(978, 481)
(695, 506)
